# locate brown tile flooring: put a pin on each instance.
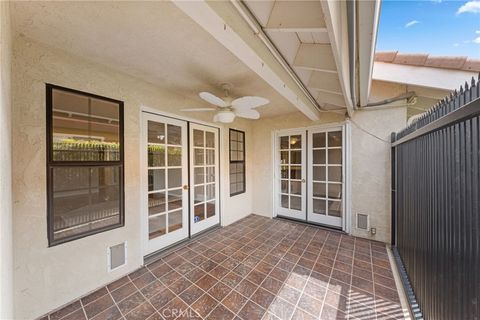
(257, 268)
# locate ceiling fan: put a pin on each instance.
(228, 108)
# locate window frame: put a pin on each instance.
(230, 161)
(51, 164)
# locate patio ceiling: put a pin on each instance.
(153, 41)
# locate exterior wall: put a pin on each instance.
(46, 278)
(370, 166)
(6, 254)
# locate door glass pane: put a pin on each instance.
(284, 186)
(174, 220)
(334, 191)
(296, 172)
(335, 174)
(156, 132)
(199, 176)
(174, 156)
(319, 190)
(199, 194)
(296, 187)
(156, 179)
(296, 157)
(198, 138)
(174, 134)
(210, 157)
(319, 206)
(284, 172)
(174, 178)
(335, 139)
(156, 155)
(284, 143)
(284, 159)
(318, 156)
(199, 212)
(334, 156)
(209, 139)
(210, 191)
(210, 174)
(174, 199)
(296, 142)
(319, 140)
(199, 157)
(295, 203)
(157, 226)
(319, 173)
(284, 200)
(210, 209)
(335, 208)
(156, 203)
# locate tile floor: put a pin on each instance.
(257, 268)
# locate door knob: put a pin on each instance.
(185, 187)
(303, 180)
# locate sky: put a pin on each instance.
(437, 27)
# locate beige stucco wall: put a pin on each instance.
(370, 163)
(6, 254)
(46, 278)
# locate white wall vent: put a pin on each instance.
(362, 221)
(117, 256)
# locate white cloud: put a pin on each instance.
(477, 32)
(476, 40)
(411, 23)
(470, 7)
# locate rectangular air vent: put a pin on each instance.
(362, 221)
(117, 256)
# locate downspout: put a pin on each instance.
(352, 49)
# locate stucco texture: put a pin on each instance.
(46, 278)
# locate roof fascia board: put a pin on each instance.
(223, 21)
(445, 79)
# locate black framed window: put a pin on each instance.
(85, 185)
(237, 162)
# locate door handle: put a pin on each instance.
(303, 180)
(185, 187)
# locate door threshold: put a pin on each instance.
(322, 226)
(157, 255)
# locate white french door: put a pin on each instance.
(310, 171)
(165, 181)
(326, 173)
(204, 177)
(291, 165)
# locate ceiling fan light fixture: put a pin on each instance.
(226, 116)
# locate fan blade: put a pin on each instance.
(249, 102)
(199, 109)
(248, 113)
(213, 99)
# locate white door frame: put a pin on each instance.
(168, 239)
(347, 221)
(196, 227)
(143, 227)
(294, 214)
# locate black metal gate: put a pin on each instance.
(436, 209)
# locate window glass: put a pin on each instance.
(237, 162)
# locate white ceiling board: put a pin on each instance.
(303, 74)
(287, 44)
(155, 44)
(331, 98)
(321, 37)
(296, 15)
(305, 37)
(260, 9)
(325, 81)
(315, 57)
